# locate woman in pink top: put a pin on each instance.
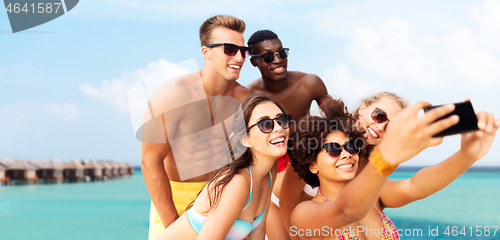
(326, 156)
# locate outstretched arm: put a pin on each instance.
(412, 134)
(434, 178)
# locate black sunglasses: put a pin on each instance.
(334, 149)
(269, 57)
(266, 125)
(379, 116)
(231, 49)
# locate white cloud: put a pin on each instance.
(111, 92)
(114, 92)
(487, 16)
(61, 109)
(398, 43)
(340, 83)
(390, 51)
(472, 61)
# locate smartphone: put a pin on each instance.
(467, 123)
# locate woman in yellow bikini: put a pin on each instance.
(349, 207)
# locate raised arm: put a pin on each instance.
(432, 179)
(411, 134)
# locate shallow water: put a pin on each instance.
(119, 209)
(473, 200)
(116, 209)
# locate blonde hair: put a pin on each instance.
(401, 102)
(226, 21)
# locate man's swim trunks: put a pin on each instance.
(183, 193)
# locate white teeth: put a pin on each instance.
(346, 166)
(278, 140)
(372, 132)
(278, 69)
(235, 66)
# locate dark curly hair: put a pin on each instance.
(312, 131)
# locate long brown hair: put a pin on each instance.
(222, 176)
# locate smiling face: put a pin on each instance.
(375, 131)
(342, 168)
(272, 144)
(275, 70)
(227, 67)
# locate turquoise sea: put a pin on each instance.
(116, 209)
(463, 210)
(119, 209)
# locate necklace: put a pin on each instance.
(321, 195)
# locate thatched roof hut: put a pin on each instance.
(73, 170)
(93, 169)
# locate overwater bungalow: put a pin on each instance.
(48, 171)
(116, 168)
(58, 170)
(4, 180)
(123, 168)
(19, 172)
(73, 171)
(93, 170)
(130, 169)
(6, 163)
(107, 169)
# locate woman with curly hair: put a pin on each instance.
(349, 203)
(234, 204)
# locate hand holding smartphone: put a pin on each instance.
(467, 123)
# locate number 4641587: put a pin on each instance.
(40, 8)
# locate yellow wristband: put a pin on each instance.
(381, 165)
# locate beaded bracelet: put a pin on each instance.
(381, 165)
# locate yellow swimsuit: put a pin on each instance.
(183, 193)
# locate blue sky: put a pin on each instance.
(63, 84)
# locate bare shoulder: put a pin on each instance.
(238, 185)
(302, 209)
(312, 84)
(240, 181)
(236, 192)
(306, 79)
(173, 91)
(256, 85)
(241, 91)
